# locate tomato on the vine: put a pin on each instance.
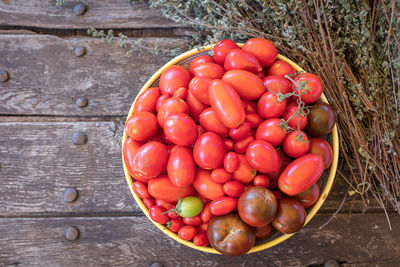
(296, 144)
(276, 84)
(295, 120)
(174, 225)
(313, 87)
(269, 106)
(271, 131)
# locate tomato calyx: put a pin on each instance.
(178, 207)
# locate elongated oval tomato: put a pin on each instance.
(264, 50)
(314, 85)
(150, 160)
(248, 85)
(245, 173)
(157, 214)
(173, 78)
(254, 119)
(181, 167)
(231, 162)
(170, 107)
(226, 103)
(321, 147)
(240, 132)
(210, 122)
(198, 61)
(220, 175)
(199, 88)
(140, 189)
(162, 188)
(201, 239)
(228, 144)
(181, 129)
(129, 151)
(180, 93)
(238, 59)
(296, 144)
(206, 214)
(187, 232)
(270, 107)
(209, 70)
(195, 220)
(261, 180)
(277, 84)
(209, 151)
(284, 160)
(141, 126)
(271, 131)
(147, 100)
(300, 174)
(223, 205)
(222, 48)
(280, 68)
(262, 156)
(195, 106)
(161, 101)
(233, 188)
(206, 186)
(241, 145)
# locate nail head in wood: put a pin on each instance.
(79, 51)
(331, 263)
(3, 75)
(79, 9)
(79, 138)
(72, 233)
(70, 195)
(156, 264)
(81, 102)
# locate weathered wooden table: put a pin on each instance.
(40, 160)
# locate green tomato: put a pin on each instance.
(189, 207)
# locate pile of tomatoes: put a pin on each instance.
(227, 150)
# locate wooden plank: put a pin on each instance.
(46, 78)
(99, 14)
(127, 241)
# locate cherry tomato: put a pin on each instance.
(231, 162)
(181, 129)
(195, 107)
(173, 214)
(238, 59)
(233, 188)
(223, 205)
(195, 220)
(221, 49)
(241, 145)
(174, 225)
(201, 239)
(240, 132)
(206, 186)
(203, 227)
(149, 202)
(220, 175)
(263, 232)
(321, 147)
(170, 107)
(209, 151)
(157, 214)
(206, 214)
(261, 180)
(296, 144)
(293, 121)
(269, 106)
(245, 173)
(254, 119)
(199, 88)
(321, 119)
(210, 122)
(187, 232)
(271, 131)
(173, 78)
(257, 206)
(262, 156)
(140, 189)
(314, 85)
(228, 144)
(147, 100)
(300, 174)
(181, 167)
(180, 93)
(291, 216)
(198, 61)
(284, 160)
(162, 188)
(161, 101)
(229, 235)
(226, 103)
(308, 197)
(248, 85)
(141, 126)
(280, 68)
(165, 204)
(129, 151)
(150, 160)
(264, 50)
(209, 70)
(276, 84)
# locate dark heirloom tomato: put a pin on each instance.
(198, 61)
(319, 146)
(240, 132)
(231, 162)
(269, 106)
(280, 68)
(223, 205)
(147, 100)
(210, 122)
(181, 129)
(300, 174)
(199, 88)
(240, 60)
(141, 126)
(296, 144)
(209, 70)
(206, 186)
(293, 121)
(308, 197)
(283, 162)
(226, 103)
(263, 232)
(245, 173)
(254, 119)
(221, 49)
(248, 85)
(170, 107)
(314, 84)
(150, 160)
(271, 131)
(209, 151)
(275, 84)
(241, 145)
(321, 119)
(162, 188)
(291, 216)
(265, 51)
(181, 167)
(229, 235)
(262, 156)
(195, 106)
(257, 206)
(220, 175)
(173, 78)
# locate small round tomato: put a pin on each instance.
(220, 175)
(206, 186)
(229, 235)
(241, 145)
(195, 220)
(296, 144)
(210, 122)
(233, 188)
(248, 85)
(195, 106)
(181, 167)
(198, 61)
(140, 189)
(296, 120)
(173, 78)
(290, 217)
(223, 205)
(199, 88)
(157, 214)
(150, 160)
(161, 101)
(180, 93)
(170, 107)
(149, 202)
(321, 119)
(206, 214)
(173, 214)
(284, 160)
(263, 232)
(187, 232)
(231, 162)
(245, 173)
(162, 188)
(264, 50)
(147, 100)
(276, 84)
(313, 84)
(174, 225)
(181, 129)
(308, 197)
(257, 206)
(261, 180)
(221, 49)
(141, 126)
(209, 70)
(240, 132)
(271, 131)
(319, 146)
(209, 151)
(238, 59)
(201, 239)
(228, 144)
(270, 107)
(262, 156)
(254, 119)
(280, 68)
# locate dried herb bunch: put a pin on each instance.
(354, 46)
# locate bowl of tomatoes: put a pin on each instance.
(232, 148)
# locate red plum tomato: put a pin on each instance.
(231, 162)
(162, 188)
(206, 186)
(201, 239)
(254, 119)
(174, 225)
(264, 50)
(223, 205)
(210, 122)
(220, 175)
(157, 214)
(198, 61)
(241, 145)
(147, 100)
(261, 180)
(209, 151)
(199, 88)
(228, 144)
(221, 49)
(170, 107)
(209, 70)
(248, 85)
(245, 173)
(206, 214)
(195, 220)
(173, 78)
(195, 106)
(233, 189)
(271, 131)
(180, 93)
(150, 160)
(181, 167)
(296, 144)
(238, 59)
(321, 147)
(262, 156)
(181, 129)
(280, 68)
(187, 232)
(161, 101)
(140, 189)
(142, 126)
(240, 132)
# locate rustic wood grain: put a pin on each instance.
(99, 14)
(46, 78)
(134, 241)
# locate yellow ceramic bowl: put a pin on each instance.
(328, 176)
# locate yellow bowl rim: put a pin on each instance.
(310, 214)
